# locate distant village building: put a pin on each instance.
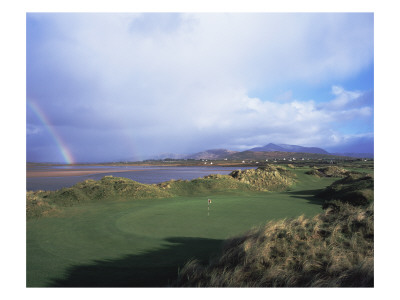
(242, 161)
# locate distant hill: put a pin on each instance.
(271, 155)
(269, 151)
(169, 155)
(288, 148)
(211, 154)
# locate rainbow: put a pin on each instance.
(66, 153)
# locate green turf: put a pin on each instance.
(144, 242)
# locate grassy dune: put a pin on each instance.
(333, 249)
(355, 189)
(117, 232)
(41, 203)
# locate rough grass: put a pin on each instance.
(37, 204)
(330, 171)
(333, 249)
(207, 184)
(40, 203)
(355, 189)
(268, 178)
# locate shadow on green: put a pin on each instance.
(157, 268)
(309, 195)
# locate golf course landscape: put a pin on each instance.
(116, 232)
(201, 148)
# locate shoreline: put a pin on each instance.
(34, 173)
(66, 173)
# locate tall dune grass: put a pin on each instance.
(267, 178)
(41, 203)
(333, 249)
(330, 171)
(211, 183)
(355, 189)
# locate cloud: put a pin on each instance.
(343, 98)
(357, 143)
(181, 82)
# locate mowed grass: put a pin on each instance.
(145, 242)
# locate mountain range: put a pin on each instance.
(288, 148)
(268, 151)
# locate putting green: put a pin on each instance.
(144, 242)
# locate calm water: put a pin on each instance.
(139, 174)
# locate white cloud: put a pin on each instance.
(188, 76)
(343, 98)
(211, 49)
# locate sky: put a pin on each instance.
(111, 87)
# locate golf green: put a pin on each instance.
(145, 242)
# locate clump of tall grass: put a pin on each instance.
(37, 204)
(330, 171)
(211, 183)
(40, 203)
(267, 178)
(333, 249)
(355, 189)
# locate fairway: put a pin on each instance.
(145, 242)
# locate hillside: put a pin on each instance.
(279, 155)
(289, 148)
(269, 151)
(212, 154)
